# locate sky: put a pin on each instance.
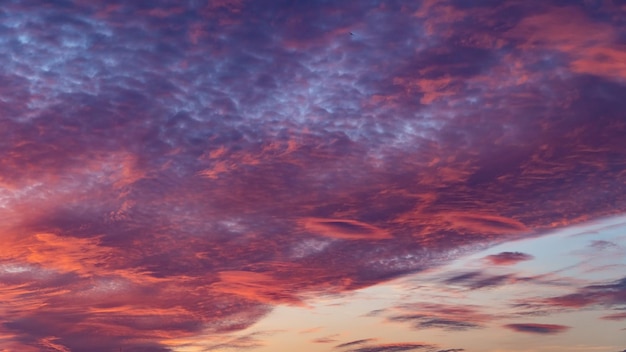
(284, 175)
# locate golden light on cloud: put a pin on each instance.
(176, 169)
(344, 229)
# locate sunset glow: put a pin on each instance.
(282, 175)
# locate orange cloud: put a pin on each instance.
(483, 223)
(592, 45)
(343, 229)
(256, 287)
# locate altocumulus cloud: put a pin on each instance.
(172, 169)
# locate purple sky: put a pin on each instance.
(177, 171)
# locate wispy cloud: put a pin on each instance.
(615, 316)
(354, 343)
(393, 347)
(606, 294)
(540, 329)
(441, 316)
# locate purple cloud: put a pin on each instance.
(477, 280)
(440, 316)
(508, 258)
(606, 294)
(602, 245)
(174, 168)
(326, 339)
(393, 347)
(540, 329)
(615, 316)
(354, 343)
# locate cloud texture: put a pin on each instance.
(176, 168)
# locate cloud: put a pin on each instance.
(440, 316)
(392, 347)
(425, 322)
(599, 295)
(616, 316)
(244, 342)
(254, 286)
(344, 229)
(605, 294)
(325, 339)
(484, 223)
(354, 343)
(508, 258)
(602, 245)
(540, 329)
(172, 169)
(477, 280)
(593, 46)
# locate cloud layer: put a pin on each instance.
(176, 168)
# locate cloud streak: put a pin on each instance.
(395, 347)
(539, 329)
(441, 316)
(605, 294)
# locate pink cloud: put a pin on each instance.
(508, 258)
(616, 316)
(168, 171)
(344, 229)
